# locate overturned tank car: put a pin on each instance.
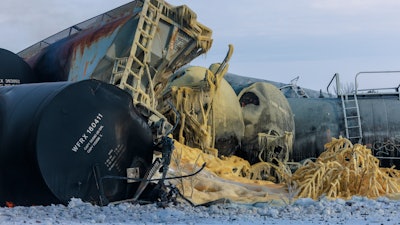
(14, 70)
(63, 140)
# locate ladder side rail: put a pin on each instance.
(345, 115)
(358, 119)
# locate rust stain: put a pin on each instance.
(87, 37)
(67, 46)
(10, 204)
(84, 71)
(173, 39)
(328, 136)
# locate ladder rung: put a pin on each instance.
(150, 20)
(144, 41)
(351, 107)
(144, 33)
(352, 117)
(126, 85)
(134, 74)
(154, 8)
(354, 137)
(134, 58)
(352, 127)
(145, 49)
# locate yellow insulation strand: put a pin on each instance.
(344, 170)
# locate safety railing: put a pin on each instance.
(376, 91)
(337, 81)
(299, 91)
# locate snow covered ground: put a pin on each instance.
(357, 210)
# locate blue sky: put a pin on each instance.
(274, 40)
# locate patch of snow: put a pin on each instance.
(358, 210)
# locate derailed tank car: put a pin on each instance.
(14, 70)
(147, 37)
(59, 141)
(365, 116)
(269, 123)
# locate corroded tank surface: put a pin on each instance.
(92, 48)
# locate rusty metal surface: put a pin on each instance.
(75, 57)
(91, 52)
(122, 11)
(89, 49)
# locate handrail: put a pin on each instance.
(336, 75)
(371, 72)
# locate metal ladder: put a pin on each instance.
(352, 121)
(129, 72)
(299, 91)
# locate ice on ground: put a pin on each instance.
(357, 210)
